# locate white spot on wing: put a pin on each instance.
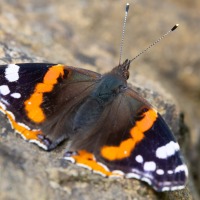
(149, 166)
(16, 95)
(146, 180)
(133, 175)
(167, 150)
(4, 90)
(160, 171)
(118, 172)
(170, 172)
(139, 159)
(165, 189)
(69, 159)
(181, 168)
(11, 72)
(43, 146)
(180, 187)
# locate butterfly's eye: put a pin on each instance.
(127, 75)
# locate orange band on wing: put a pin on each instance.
(137, 134)
(32, 105)
(27, 134)
(88, 160)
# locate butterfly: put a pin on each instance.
(112, 130)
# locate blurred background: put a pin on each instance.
(86, 33)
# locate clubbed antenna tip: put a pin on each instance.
(175, 27)
(127, 7)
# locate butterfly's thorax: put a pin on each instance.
(105, 92)
(108, 88)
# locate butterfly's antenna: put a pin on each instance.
(154, 43)
(123, 32)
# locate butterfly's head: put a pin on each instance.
(123, 69)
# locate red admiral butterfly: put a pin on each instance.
(113, 131)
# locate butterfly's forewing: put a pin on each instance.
(131, 139)
(17, 82)
(30, 95)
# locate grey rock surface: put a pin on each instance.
(87, 34)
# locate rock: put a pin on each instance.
(87, 34)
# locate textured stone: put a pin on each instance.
(87, 34)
